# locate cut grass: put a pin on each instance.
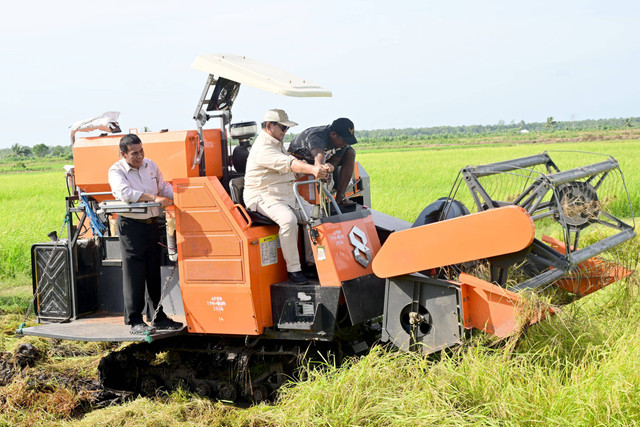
(581, 367)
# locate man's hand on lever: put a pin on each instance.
(164, 202)
(321, 171)
(318, 171)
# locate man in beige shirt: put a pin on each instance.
(268, 187)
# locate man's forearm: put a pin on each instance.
(146, 197)
(318, 171)
(299, 166)
(318, 156)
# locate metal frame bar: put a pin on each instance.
(510, 165)
(531, 199)
(296, 193)
(574, 259)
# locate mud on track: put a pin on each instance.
(33, 380)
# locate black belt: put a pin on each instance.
(152, 220)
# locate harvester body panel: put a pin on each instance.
(345, 247)
(173, 151)
(225, 267)
(466, 238)
(493, 309)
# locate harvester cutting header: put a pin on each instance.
(465, 263)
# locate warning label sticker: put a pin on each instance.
(269, 250)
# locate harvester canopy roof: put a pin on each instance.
(253, 73)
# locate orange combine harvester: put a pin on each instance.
(465, 262)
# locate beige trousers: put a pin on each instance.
(288, 219)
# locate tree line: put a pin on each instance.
(17, 151)
(20, 152)
(446, 132)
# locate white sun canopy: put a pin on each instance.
(256, 74)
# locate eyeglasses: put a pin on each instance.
(283, 128)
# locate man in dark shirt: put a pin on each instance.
(329, 144)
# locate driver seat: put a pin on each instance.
(236, 188)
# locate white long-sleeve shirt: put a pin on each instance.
(128, 184)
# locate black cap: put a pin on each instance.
(344, 127)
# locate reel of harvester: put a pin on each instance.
(525, 225)
(577, 217)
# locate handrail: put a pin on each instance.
(296, 193)
(118, 206)
(244, 214)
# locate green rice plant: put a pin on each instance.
(32, 165)
(404, 182)
(31, 205)
(564, 370)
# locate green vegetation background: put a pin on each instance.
(581, 367)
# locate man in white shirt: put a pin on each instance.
(268, 187)
(136, 179)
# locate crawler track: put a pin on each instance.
(235, 370)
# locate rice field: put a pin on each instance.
(31, 205)
(580, 367)
(404, 182)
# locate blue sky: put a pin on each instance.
(389, 64)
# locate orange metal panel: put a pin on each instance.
(220, 270)
(200, 245)
(92, 158)
(589, 276)
(172, 151)
(204, 220)
(224, 263)
(221, 309)
(198, 212)
(263, 272)
(212, 152)
(481, 235)
(488, 307)
(309, 192)
(493, 309)
(334, 251)
(194, 195)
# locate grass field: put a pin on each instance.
(404, 182)
(31, 205)
(581, 367)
